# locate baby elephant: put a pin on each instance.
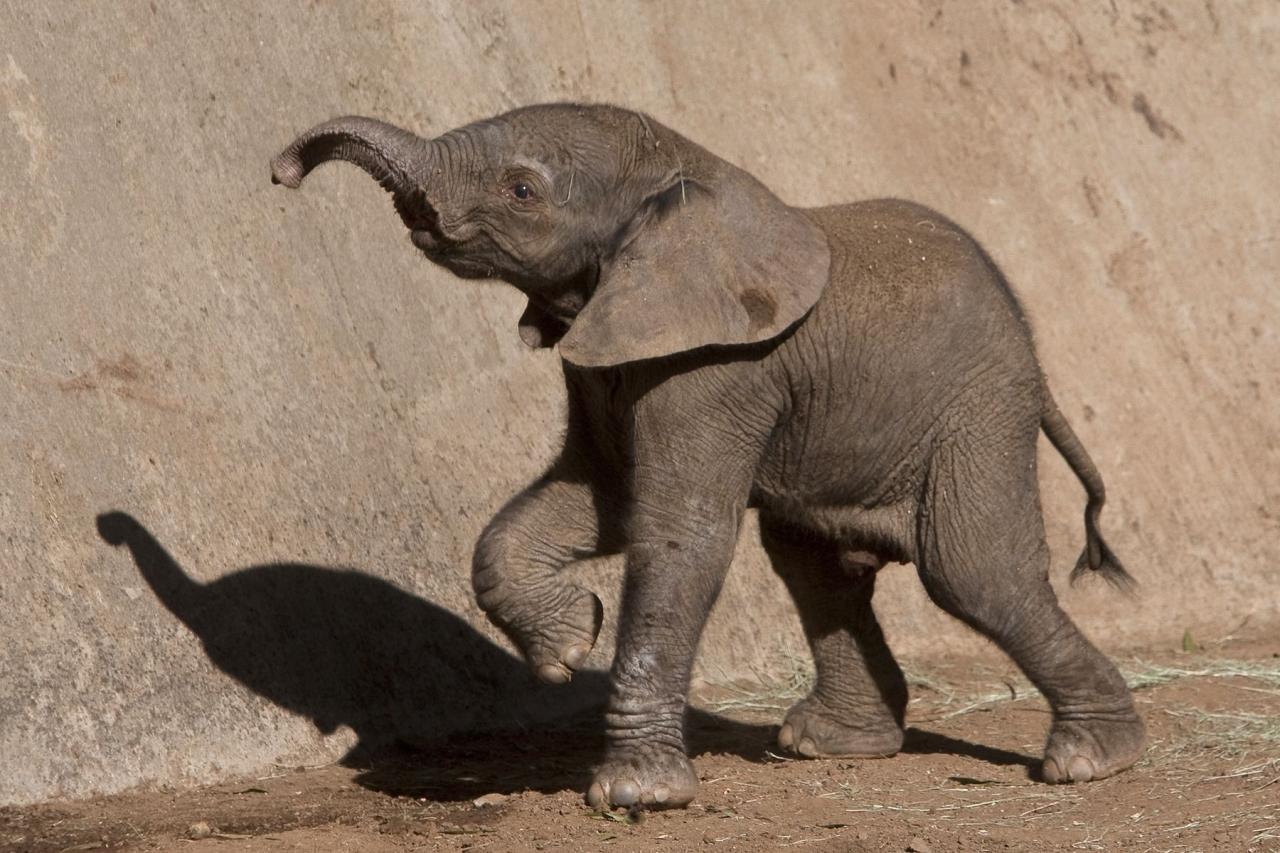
(861, 374)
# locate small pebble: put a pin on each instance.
(198, 830)
(919, 845)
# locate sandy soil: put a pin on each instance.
(1209, 781)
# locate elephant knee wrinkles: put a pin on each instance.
(1121, 711)
(688, 539)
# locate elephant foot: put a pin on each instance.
(1088, 750)
(555, 639)
(565, 638)
(813, 730)
(647, 778)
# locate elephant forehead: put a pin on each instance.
(572, 118)
(570, 135)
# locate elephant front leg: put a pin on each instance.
(516, 576)
(674, 573)
(688, 506)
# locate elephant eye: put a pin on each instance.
(521, 191)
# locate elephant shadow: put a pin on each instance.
(437, 708)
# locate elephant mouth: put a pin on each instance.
(428, 240)
(429, 234)
(453, 248)
(423, 221)
(450, 253)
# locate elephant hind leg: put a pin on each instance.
(515, 572)
(982, 558)
(859, 698)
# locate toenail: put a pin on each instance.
(808, 747)
(1080, 769)
(786, 737)
(660, 794)
(595, 795)
(553, 673)
(625, 793)
(1051, 771)
(576, 654)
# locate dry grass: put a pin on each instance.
(1233, 745)
(1138, 674)
(1141, 674)
(786, 679)
(790, 678)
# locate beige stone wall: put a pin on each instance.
(276, 384)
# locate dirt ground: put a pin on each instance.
(965, 781)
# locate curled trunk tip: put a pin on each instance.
(286, 168)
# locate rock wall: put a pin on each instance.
(297, 428)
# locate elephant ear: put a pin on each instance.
(720, 263)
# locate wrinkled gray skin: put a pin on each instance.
(861, 374)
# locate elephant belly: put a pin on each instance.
(887, 532)
(858, 491)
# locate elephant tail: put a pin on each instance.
(1097, 556)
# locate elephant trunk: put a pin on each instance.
(399, 160)
(184, 597)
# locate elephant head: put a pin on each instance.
(630, 241)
